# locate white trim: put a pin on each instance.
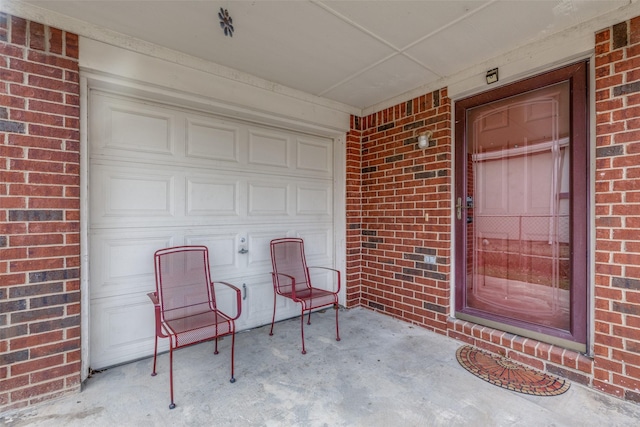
(340, 212)
(85, 305)
(591, 255)
(201, 89)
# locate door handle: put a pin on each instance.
(459, 208)
(244, 291)
(243, 251)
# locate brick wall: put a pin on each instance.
(406, 209)
(39, 213)
(617, 282)
(400, 183)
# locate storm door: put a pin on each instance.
(521, 207)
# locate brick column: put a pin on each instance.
(617, 281)
(354, 213)
(39, 213)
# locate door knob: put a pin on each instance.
(243, 251)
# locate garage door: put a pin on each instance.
(160, 176)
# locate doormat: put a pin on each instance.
(507, 374)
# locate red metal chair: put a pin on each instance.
(291, 279)
(185, 303)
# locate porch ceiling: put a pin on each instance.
(359, 53)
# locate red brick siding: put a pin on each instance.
(354, 214)
(39, 213)
(400, 186)
(617, 199)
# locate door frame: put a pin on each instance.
(579, 74)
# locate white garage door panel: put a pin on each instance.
(269, 199)
(130, 192)
(314, 155)
(313, 200)
(133, 126)
(209, 141)
(317, 244)
(121, 342)
(139, 195)
(213, 196)
(259, 256)
(269, 149)
(126, 262)
(162, 176)
(224, 259)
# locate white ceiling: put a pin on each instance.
(358, 53)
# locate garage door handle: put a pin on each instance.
(244, 291)
(243, 251)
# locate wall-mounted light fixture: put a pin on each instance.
(492, 76)
(424, 138)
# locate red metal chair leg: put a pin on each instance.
(233, 345)
(172, 405)
(309, 318)
(302, 331)
(335, 307)
(273, 319)
(216, 349)
(155, 355)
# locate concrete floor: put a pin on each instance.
(384, 372)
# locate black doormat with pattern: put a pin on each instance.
(507, 374)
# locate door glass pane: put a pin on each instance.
(517, 206)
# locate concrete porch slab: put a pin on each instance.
(384, 372)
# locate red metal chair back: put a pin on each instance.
(182, 282)
(287, 257)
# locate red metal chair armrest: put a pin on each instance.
(293, 284)
(330, 269)
(238, 297)
(153, 296)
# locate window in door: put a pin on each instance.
(522, 205)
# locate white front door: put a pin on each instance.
(162, 175)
